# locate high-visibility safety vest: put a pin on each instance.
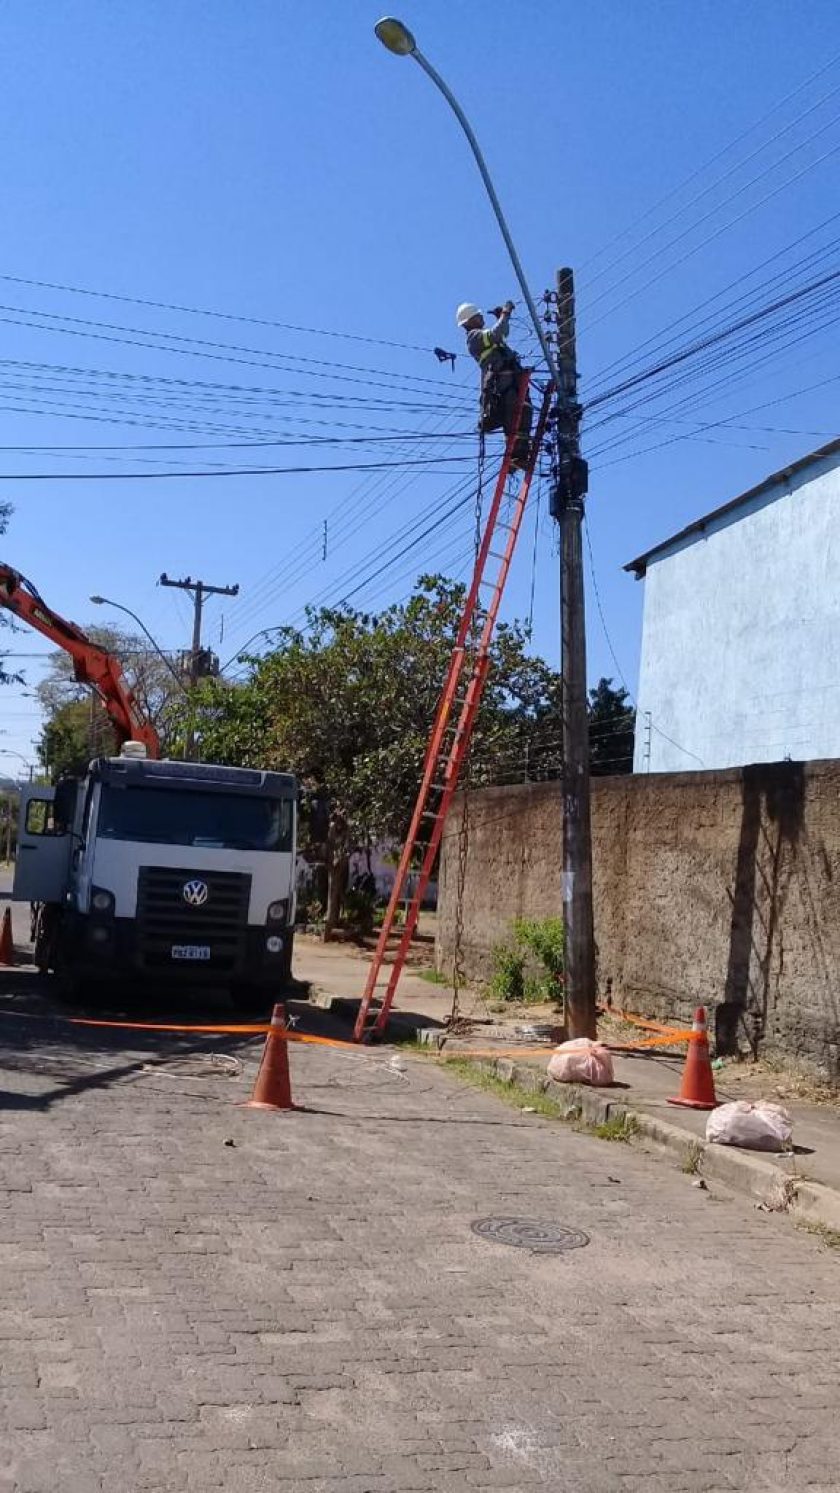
(507, 357)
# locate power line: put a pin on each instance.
(205, 347)
(255, 321)
(440, 515)
(373, 466)
(712, 236)
(784, 335)
(364, 502)
(674, 191)
(726, 382)
(809, 260)
(715, 338)
(717, 182)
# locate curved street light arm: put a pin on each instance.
(497, 208)
(118, 606)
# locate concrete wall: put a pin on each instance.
(719, 888)
(740, 653)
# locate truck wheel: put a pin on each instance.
(45, 929)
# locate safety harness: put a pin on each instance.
(507, 359)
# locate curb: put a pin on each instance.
(743, 1171)
(346, 1008)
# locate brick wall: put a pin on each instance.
(713, 887)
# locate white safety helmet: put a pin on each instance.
(466, 311)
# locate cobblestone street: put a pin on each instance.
(196, 1296)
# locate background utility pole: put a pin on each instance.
(567, 505)
(199, 590)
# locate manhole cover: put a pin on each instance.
(541, 1237)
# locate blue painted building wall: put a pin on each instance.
(740, 656)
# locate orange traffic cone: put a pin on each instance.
(697, 1090)
(273, 1089)
(7, 947)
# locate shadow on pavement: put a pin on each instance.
(55, 1060)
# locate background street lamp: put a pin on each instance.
(105, 601)
(7, 752)
(394, 35)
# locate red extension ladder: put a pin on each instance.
(449, 743)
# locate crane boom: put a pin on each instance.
(92, 664)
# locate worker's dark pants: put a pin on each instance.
(499, 400)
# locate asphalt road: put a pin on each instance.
(195, 1296)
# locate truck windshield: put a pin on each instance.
(213, 821)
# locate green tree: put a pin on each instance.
(612, 730)
(73, 735)
(347, 705)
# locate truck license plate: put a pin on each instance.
(190, 951)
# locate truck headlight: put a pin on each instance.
(274, 944)
(101, 900)
(278, 912)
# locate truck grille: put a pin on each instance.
(165, 919)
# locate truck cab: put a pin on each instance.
(178, 872)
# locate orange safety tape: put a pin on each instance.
(673, 1037)
(633, 1020)
(665, 1038)
(254, 1029)
(237, 1028)
(668, 1038)
(131, 1025)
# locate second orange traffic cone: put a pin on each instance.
(7, 947)
(697, 1090)
(273, 1088)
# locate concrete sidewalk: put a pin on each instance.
(336, 974)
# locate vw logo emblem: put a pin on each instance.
(195, 893)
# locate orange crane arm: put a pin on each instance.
(92, 664)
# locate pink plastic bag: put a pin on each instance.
(757, 1127)
(581, 1061)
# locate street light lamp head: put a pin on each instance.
(395, 36)
(98, 601)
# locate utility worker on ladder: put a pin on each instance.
(501, 375)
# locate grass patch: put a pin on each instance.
(432, 976)
(514, 1094)
(616, 1128)
(691, 1159)
(829, 1237)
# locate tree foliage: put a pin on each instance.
(73, 735)
(347, 704)
(74, 725)
(612, 730)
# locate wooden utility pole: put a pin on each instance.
(567, 507)
(198, 589)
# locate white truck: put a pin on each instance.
(181, 873)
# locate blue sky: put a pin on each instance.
(271, 161)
